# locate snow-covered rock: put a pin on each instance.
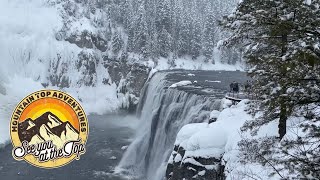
(201, 149)
(181, 83)
(113, 158)
(214, 116)
(124, 147)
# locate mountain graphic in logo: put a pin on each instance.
(48, 129)
(45, 128)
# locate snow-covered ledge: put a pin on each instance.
(202, 150)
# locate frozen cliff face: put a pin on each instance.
(58, 44)
(63, 45)
(84, 34)
(87, 28)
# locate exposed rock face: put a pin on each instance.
(134, 74)
(129, 77)
(88, 40)
(181, 167)
(87, 64)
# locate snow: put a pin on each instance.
(16, 90)
(124, 147)
(178, 158)
(188, 130)
(96, 100)
(23, 37)
(203, 140)
(213, 81)
(181, 83)
(27, 43)
(192, 161)
(198, 64)
(113, 158)
(214, 114)
(202, 173)
(220, 140)
(226, 103)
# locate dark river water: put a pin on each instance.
(108, 134)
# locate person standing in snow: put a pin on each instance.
(231, 87)
(247, 86)
(235, 87)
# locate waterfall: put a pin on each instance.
(162, 111)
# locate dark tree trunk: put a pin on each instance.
(282, 127)
(283, 120)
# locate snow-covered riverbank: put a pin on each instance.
(202, 150)
(206, 151)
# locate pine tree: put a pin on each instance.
(163, 19)
(196, 44)
(270, 30)
(208, 39)
(282, 47)
(165, 42)
(117, 43)
(141, 36)
(184, 39)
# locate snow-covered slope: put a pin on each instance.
(27, 37)
(16, 90)
(32, 57)
(205, 150)
(202, 150)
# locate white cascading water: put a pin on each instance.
(163, 112)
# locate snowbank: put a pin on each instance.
(187, 131)
(96, 100)
(212, 140)
(219, 140)
(214, 114)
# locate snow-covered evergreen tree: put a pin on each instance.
(117, 43)
(208, 38)
(282, 47)
(165, 42)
